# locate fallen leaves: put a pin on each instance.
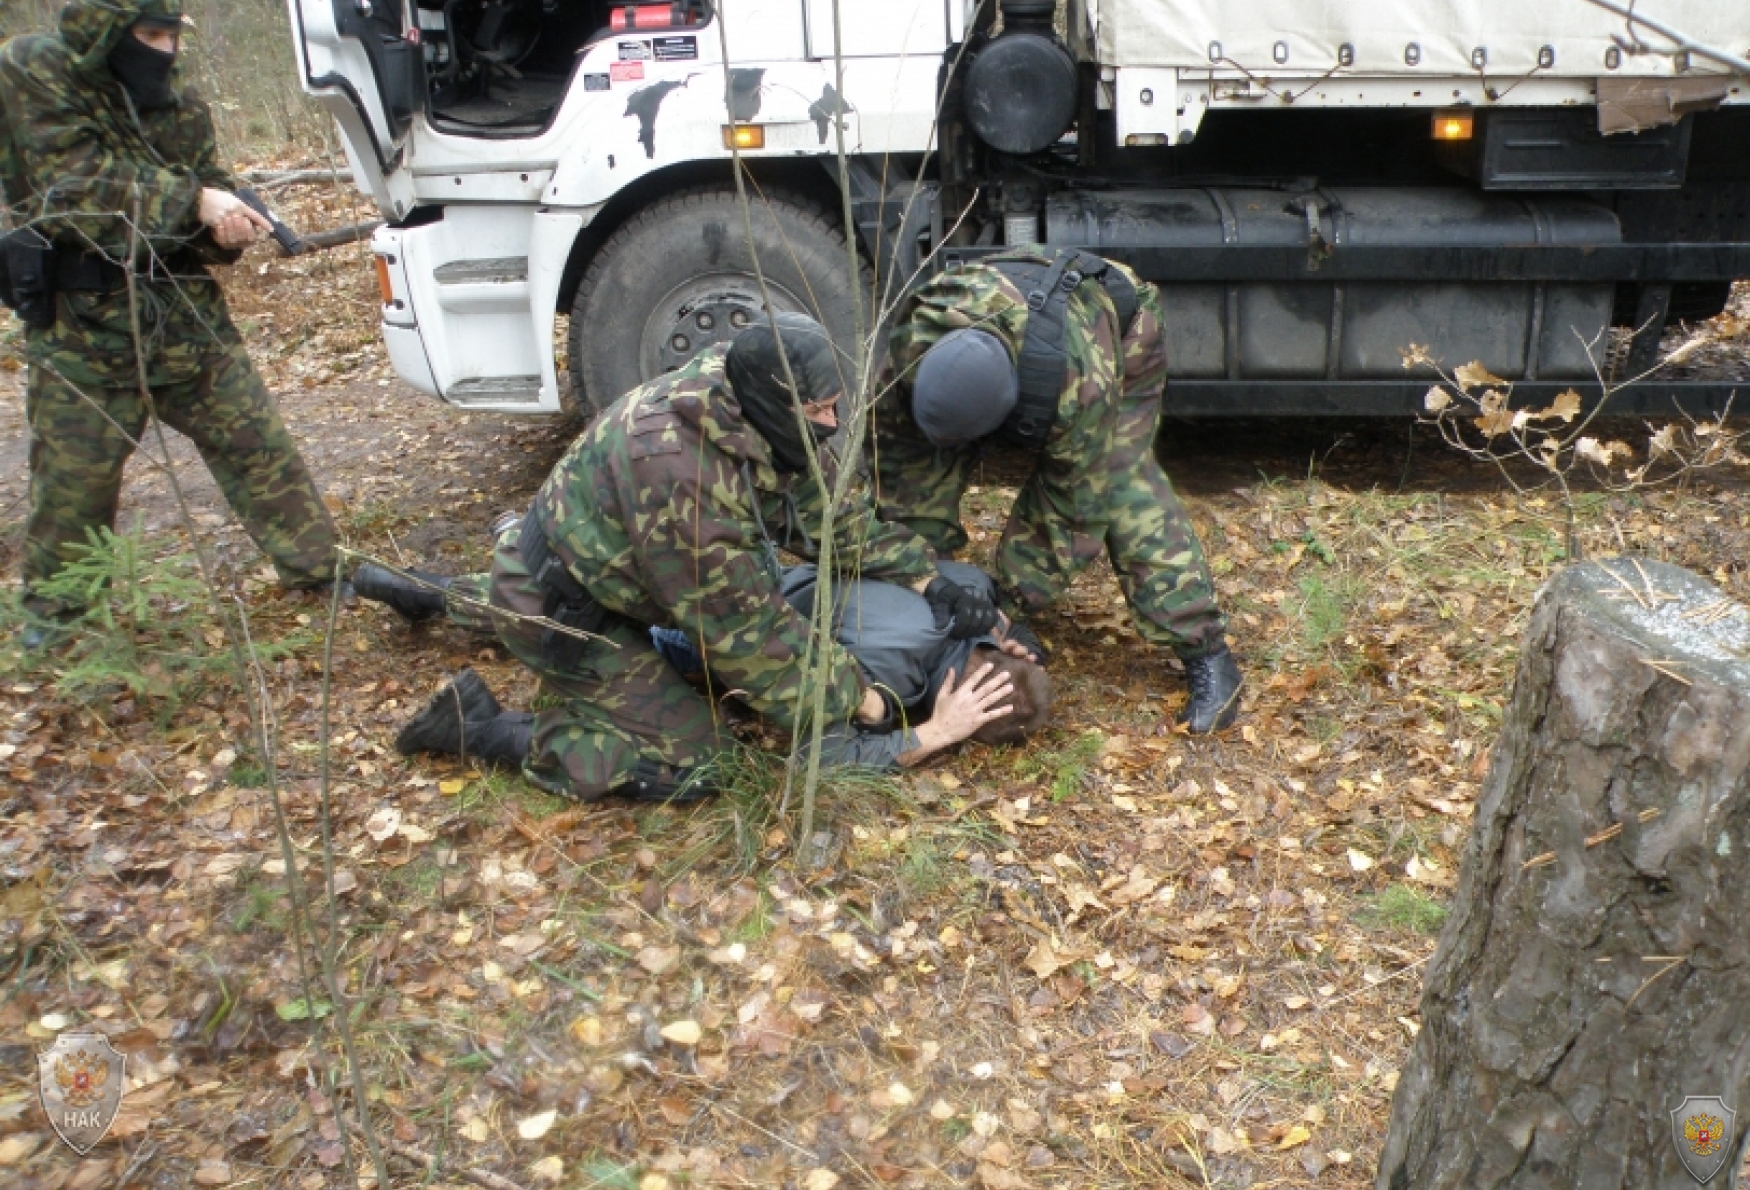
(1296, 1136)
(659, 960)
(536, 1126)
(686, 1033)
(1045, 960)
(213, 1173)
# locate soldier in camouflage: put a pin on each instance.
(1033, 349)
(670, 511)
(112, 162)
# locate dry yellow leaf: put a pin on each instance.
(683, 1032)
(452, 787)
(536, 1126)
(1294, 1137)
(1044, 960)
(1474, 375)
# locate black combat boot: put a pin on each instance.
(460, 706)
(414, 601)
(1215, 682)
(503, 739)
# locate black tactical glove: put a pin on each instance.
(964, 612)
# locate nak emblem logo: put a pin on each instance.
(1702, 1130)
(81, 1080)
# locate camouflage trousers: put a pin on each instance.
(617, 703)
(1126, 506)
(81, 439)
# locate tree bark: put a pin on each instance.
(1595, 969)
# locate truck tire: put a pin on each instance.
(678, 277)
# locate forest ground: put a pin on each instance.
(1118, 956)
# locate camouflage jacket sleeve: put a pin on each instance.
(711, 575)
(1145, 346)
(85, 170)
(194, 130)
(863, 544)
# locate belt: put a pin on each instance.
(567, 602)
(546, 567)
(92, 272)
(87, 272)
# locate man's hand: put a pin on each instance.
(969, 612)
(1018, 640)
(962, 710)
(233, 224)
(873, 708)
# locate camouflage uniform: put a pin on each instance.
(1096, 483)
(669, 512)
(80, 164)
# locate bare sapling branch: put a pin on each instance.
(245, 662)
(1474, 412)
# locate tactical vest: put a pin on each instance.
(1047, 279)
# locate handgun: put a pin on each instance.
(290, 242)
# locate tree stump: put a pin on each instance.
(1595, 969)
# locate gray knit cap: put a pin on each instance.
(965, 388)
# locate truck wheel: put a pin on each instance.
(677, 277)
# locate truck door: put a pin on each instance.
(361, 62)
(894, 28)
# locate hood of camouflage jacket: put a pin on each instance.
(91, 29)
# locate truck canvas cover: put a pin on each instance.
(1307, 36)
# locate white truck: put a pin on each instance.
(1316, 184)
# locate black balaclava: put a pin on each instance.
(756, 373)
(144, 71)
(965, 388)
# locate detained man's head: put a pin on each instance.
(1029, 705)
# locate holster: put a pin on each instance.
(27, 277)
(566, 601)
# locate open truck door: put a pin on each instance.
(362, 62)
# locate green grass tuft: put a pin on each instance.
(1401, 907)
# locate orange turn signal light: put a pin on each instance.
(1457, 125)
(744, 136)
(383, 282)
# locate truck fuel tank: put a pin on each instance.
(1356, 330)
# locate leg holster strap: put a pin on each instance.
(567, 603)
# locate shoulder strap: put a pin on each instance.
(1045, 284)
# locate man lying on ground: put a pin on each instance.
(907, 651)
(669, 511)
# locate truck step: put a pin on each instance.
(495, 390)
(503, 270)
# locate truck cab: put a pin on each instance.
(1316, 187)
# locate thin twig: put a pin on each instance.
(1603, 836)
(1662, 668)
(480, 1177)
(1666, 969)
